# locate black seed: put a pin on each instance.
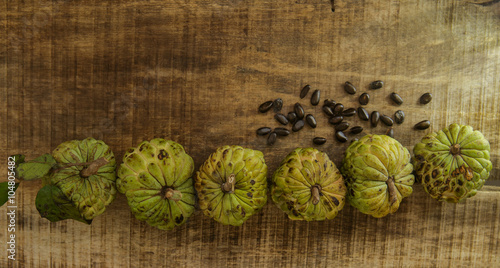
(426, 98)
(396, 98)
(311, 121)
(340, 136)
(399, 117)
(266, 106)
(356, 130)
(336, 119)
(319, 140)
(364, 99)
(387, 120)
(263, 131)
(342, 126)
(349, 88)
(298, 125)
(330, 103)
(292, 117)
(338, 109)
(282, 131)
(374, 118)
(315, 97)
(423, 125)
(299, 111)
(363, 114)
(277, 105)
(376, 84)
(390, 132)
(304, 91)
(327, 110)
(271, 139)
(281, 118)
(349, 112)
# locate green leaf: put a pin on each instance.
(5, 188)
(35, 169)
(53, 205)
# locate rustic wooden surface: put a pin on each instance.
(196, 71)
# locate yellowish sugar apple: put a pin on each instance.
(156, 178)
(453, 163)
(232, 184)
(308, 186)
(378, 173)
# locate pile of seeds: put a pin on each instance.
(337, 114)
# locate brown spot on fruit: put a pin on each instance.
(249, 194)
(252, 182)
(335, 201)
(179, 219)
(435, 173)
(163, 154)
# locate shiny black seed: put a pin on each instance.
(349, 88)
(387, 120)
(299, 111)
(319, 140)
(271, 139)
(349, 112)
(298, 125)
(338, 109)
(280, 131)
(292, 117)
(363, 114)
(396, 98)
(364, 99)
(311, 121)
(277, 105)
(315, 97)
(304, 91)
(281, 118)
(399, 117)
(266, 106)
(336, 119)
(374, 118)
(423, 125)
(376, 84)
(263, 131)
(426, 98)
(356, 130)
(327, 110)
(340, 136)
(390, 132)
(330, 103)
(342, 126)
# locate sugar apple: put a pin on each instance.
(453, 163)
(308, 186)
(232, 184)
(156, 178)
(378, 173)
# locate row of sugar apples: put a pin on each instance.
(158, 178)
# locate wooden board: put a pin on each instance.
(196, 71)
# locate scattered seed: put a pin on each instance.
(340, 136)
(277, 105)
(281, 118)
(298, 125)
(363, 114)
(315, 97)
(390, 132)
(280, 131)
(426, 98)
(263, 131)
(330, 103)
(349, 112)
(356, 130)
(374, 118)
(364, 99)
(423, 125)
(327, 110)
(338, 109)
(387, 120)
(342, 126)
(399, 117)
(396, 98)
(336, 119)
(311, 121)
(299, 111)
(319, 140)
(266, 106)
(271, 139)
(349, 88)
(376, 84)
(292, 117)
(304, 91)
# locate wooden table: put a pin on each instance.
(195, 72)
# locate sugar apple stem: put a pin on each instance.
(173, 195)
(93, 167)
(455, 149)
(315, 194)
(393, 197)
(228, 186)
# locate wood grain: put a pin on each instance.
(195, 72)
